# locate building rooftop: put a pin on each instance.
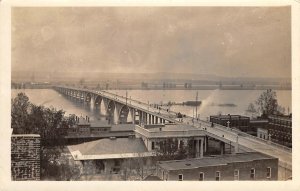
(212, 161)
(282, 117)
(108, 148)
(259, 121)
(99, 123)
(172, 127)
(25, 135)
(123, 127)
(167, 131)
(230, 116)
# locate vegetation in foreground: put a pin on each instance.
(28, 118)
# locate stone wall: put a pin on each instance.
(25, 157)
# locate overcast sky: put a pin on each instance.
(236, 42)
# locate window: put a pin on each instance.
(117, 163)
(181, 144)
(236, 174)
(252, 174)
(180, 177)
(218, 176)
(269, 172)
(201, 176)
(152, 145)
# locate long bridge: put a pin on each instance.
(143, 113)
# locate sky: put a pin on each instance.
(223, 41)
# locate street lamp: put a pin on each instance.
(228, 124)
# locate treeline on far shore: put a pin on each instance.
(128, 87)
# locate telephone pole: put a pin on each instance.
(197, 106)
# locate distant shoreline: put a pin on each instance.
(180, 88)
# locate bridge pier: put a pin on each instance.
(136, 114)
(132, 113)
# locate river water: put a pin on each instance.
(212, 101)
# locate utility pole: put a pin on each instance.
(193, 115)
(126, 96)
(196, 105)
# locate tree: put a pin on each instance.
(36, 120)
(56, 166)
(168, 150)
(28, 118)
(19, 113)
(280, 109)
(251, 109)
(267, 102)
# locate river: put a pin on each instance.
(212, 100)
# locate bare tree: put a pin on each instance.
(267, 102)
(251, 109)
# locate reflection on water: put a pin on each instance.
(211, 100)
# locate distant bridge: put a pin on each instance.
(142, 113)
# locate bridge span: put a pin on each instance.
(142, 113)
